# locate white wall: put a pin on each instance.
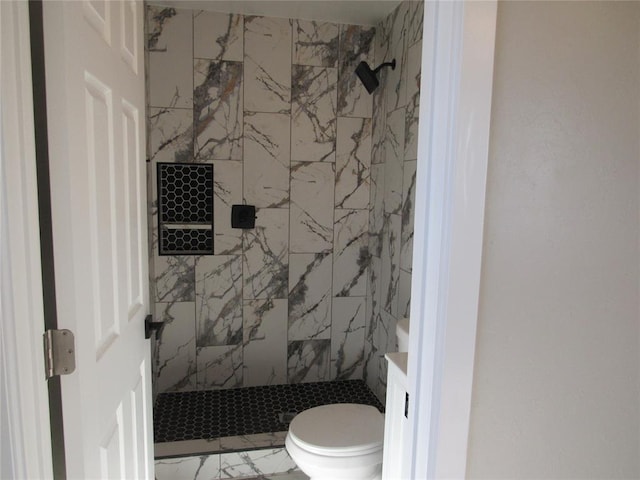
(556, 386)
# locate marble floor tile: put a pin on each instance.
(256, 462)
(205, 467)
(255, 441)
(295, 475)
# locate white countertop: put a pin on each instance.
(399, 360)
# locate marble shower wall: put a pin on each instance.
(392, 186)
(275, 106)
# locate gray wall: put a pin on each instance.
(556, 387)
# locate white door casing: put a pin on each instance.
(455, 113)
(25, 438)
(95, 110)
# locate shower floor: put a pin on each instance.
(247, 411)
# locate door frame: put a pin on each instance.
(455, 114)
(457, 71)
(24, 393)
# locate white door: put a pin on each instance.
(95, 111)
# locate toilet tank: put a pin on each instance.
(402, 334)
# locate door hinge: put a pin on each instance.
(59, 352)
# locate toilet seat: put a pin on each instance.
(339, 430)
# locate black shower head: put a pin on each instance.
(368, 77)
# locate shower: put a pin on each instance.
(368, 77)
(271, 321)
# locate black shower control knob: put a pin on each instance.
(243, 216)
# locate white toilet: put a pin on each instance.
(342, 440)
(339, 441)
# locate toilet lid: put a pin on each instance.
(338, 428)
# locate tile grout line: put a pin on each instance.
(288, 341)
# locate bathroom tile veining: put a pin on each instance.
(258, 464)
(313, 292)
(392, 191)
(259, 99)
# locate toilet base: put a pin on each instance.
(335, 476)
(319, 467)
(332, 477)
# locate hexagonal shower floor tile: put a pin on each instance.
(242, 418)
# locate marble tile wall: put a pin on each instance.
(394, 155)
(275, 106)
